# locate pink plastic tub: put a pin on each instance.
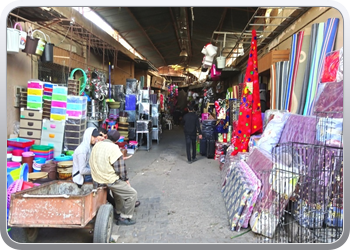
(58, 104)
(27, 154)
(12, 164)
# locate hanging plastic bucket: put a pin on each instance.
(211, 50)
(13, 35)
(31, 43)
(41, 44)
(22, 36)
(221, 61)
(48, 51)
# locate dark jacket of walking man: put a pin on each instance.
(191, 127)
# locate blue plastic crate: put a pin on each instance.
(58, 111)
(34, 98)
(60, 90)
(76, 99)
(74, 106)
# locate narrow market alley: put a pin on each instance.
(180, 202)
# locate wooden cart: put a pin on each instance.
(61, 204)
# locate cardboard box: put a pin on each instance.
(270, 58)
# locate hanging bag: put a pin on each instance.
(214, 73)
(13, 35)
(48, 51)
(41, 43)
(31, 43)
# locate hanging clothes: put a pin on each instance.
(249, 119)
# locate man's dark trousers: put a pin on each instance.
(190, 142)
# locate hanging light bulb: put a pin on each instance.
(183, 53)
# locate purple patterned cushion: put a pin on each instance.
(330, 99)
(300, 129)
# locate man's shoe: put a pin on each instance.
(127, 222)
(116, 216)
(137, 203)
(194, 159)
(189, 162)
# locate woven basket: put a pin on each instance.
(123, 119)
(37, 175)
(64, 173)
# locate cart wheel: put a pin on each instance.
(103, 224)
(31, 233)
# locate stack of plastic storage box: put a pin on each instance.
(31, 124)
(42, 151)
(47, 97)
(35, 95)
(52, 135)
(58, 103)
(76, 122)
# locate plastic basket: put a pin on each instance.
(16, 186)
(20, 142)
(39, 160)
(63, 157)
(41, 148)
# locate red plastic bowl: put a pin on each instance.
(17, 152)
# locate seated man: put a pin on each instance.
(103, 133)
(107, 167)
(81, 168)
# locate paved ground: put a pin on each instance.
(180, 202)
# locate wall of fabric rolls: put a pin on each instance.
(294, 83)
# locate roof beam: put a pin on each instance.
(188, 36)
(175, 28)
(143, 31)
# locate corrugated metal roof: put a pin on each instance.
(160, 33)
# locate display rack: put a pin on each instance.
(156, 122)
(303, 201)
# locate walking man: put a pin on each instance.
(191, 127)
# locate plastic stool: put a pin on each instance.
(169, 124)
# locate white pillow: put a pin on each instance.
(273, 131)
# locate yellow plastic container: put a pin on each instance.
(57, 117)
(35, 91)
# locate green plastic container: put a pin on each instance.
(34, 105)
(70, 152)
(58, 97)
(41, 147)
